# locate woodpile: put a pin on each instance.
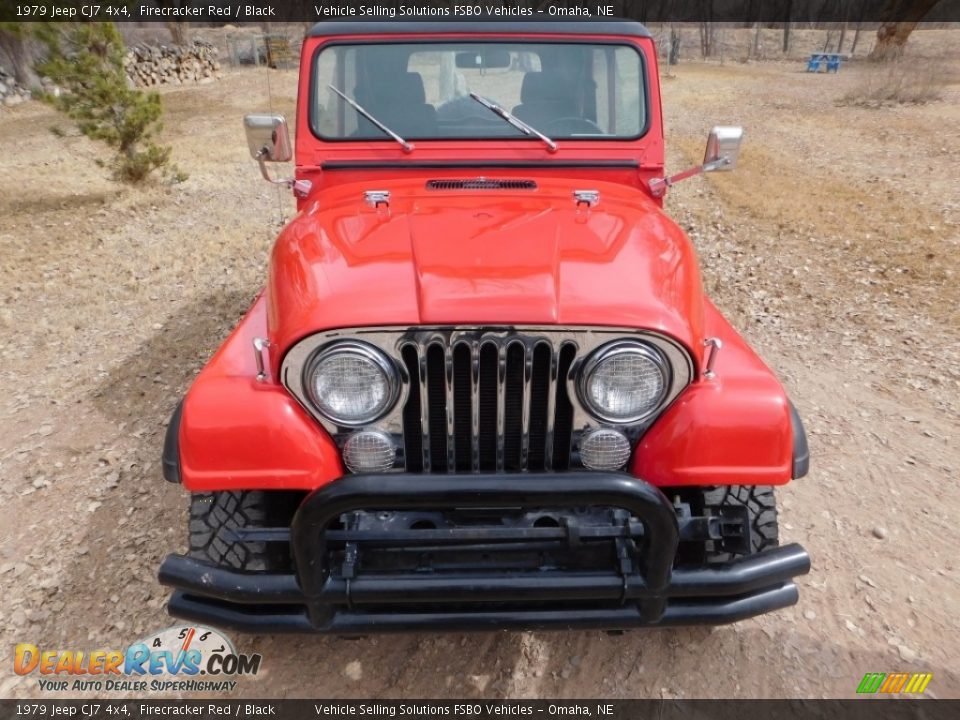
(10, 93)
(148, 65)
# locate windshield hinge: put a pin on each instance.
(586, 197)
(376, 198)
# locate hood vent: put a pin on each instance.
(481, 184)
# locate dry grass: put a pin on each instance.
(901, 82)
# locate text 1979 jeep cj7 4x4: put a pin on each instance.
(483, 387)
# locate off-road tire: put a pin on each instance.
(761, 506)
(211, 514)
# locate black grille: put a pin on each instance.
(497, 404)
(481, 184)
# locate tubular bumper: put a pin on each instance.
(639, 587)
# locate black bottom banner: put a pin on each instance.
(866, 709)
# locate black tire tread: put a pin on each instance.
(761, 504)
(213, 513)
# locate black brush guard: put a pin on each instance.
(641, 587)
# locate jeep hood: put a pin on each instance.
(483, 257)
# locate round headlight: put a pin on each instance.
(352, 383)
(624, 382)
(369, 451)
(604, 449)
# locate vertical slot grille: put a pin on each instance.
(487, 406)
(412, 424)
(539, 402)
(490, 405)
(437, 407)
(563, 415)
(462, 412)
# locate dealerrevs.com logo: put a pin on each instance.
(179, 659)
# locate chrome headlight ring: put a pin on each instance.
(638, 351)
(358, 354)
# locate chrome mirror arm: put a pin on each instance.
(658, 186)
(262, 162)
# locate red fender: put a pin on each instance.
(733, 429)
(239, 433)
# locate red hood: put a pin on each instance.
(491, 257)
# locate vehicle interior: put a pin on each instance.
(423, 90)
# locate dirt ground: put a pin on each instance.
(833, 248)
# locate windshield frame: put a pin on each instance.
(486, 39)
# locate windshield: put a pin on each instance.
(421, 91)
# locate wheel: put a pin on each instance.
(214, 515)
(761, 508)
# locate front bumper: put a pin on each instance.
(331, 591)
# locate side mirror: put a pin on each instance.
(268, 137)
(269, 141)
(723, 147)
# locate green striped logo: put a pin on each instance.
(871, 682)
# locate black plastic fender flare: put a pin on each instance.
(171, 447)
(801, 451)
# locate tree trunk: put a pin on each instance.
(902, 17)
(674, 56)
(788, 13)
(17, 48)
(843, 35)
(178, 32)
(756, 42)
(891, 40)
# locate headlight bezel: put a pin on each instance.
(357, 349)
(611, 350)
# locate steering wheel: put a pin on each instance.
(571, 126)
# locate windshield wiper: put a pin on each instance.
(407, 147)
(514, 120)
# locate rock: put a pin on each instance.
(879, 532)
(353, 670)
(906, 654)
(809, 614)
(480, 682)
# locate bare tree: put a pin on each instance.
(178, 32)
(902, 17)
(675, 38)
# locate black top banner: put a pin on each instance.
(46, 709)
(647, 11)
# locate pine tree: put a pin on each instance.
(86, 62)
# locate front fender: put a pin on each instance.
(737, 428)
(239, 433)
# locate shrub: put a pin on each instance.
(86, 62)
(897, 82)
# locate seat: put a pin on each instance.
(400, 103)
(545, 97)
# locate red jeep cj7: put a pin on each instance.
(483, 387)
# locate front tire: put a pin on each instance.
(761, 506)
(213, 516)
